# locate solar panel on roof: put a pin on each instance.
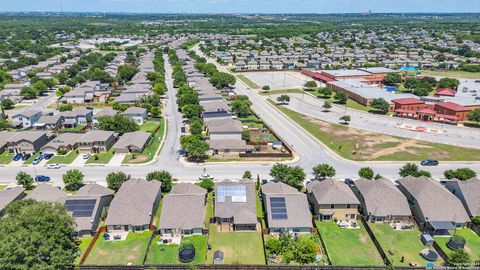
(278, 208)
(236, 193)
(80, 208)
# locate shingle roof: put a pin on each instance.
(224, 125)
(46, 193)
(133, 203)
(95, 136)
(330, 191)
(9, 195)
(383, 198)
(471, 193)
(29, 135)
(137, 139)
(230, 144)
(242, 212)
(135, 110)
(106, 112)
(94, 190)
(434, 200)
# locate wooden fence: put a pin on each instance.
(375, 241)
(92, 243)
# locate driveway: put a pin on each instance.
(79, 161)
(117, 160)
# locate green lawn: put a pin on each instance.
(31, 158)
(103, 158)
(64, 159)
(348, 246)
(158, 213)
(151, 149)
(84, 243)
(6, 157)
(247, 81)
(126, 252)
(74, 129)
(237, 247)
(168, 254)
(452, 74)
(260, 213)
(2, 187)
(404, 244)
(209, 213)
(149, 126)
(472, 246)
(350, 103)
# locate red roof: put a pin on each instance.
(453, 106)
(323, 78)
(446, 92)
(407, 101)
(427, 110)
(447, 116)
(405, 111)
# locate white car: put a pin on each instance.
(53, 166)
(86, 156)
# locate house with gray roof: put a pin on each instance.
(215, 110)
(9, 195)
(435, 208)
(26, 119)
(224, 129)
(228, 147)
(67, 141)
(49, 121)
(235, 206)
(132, 142)
(96, 141)
(46, 193)
(134, 206)
(103, 112)
(138, 115)
(332, 200)
(77, 117)
(468, 192)
(27, 141)
(286, 208)
(183, 210)
(381, 201)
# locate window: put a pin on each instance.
(332, 206)
(348, 205)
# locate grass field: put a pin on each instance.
(350, 103)
(6, 157)
(472, 246)
(348, 246)
(102, 158)
(127, 252)
(372, 146)
(149, 126)
(168, 254)
(151, 149)
(404, 244)
(84, 243)
(64, 159)
(247, 81)
(237, 247)
(2, 187)
(452, 74)
(209, 213)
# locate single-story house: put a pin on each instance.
(139, 115)
(224, 129)
(286, 208)
(228, 147)
(132, 142)
(183, 210)
(468, 192)
(332, 200)
(9, 195)
(46, 193)
(134, 206)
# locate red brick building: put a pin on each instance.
(451, 111)
(407, 107)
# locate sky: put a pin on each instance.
(242, 6)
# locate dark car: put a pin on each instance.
(348, 181)
(42, 178)
(429, 162)
(26, 156)
(17, 157)
(47, 156)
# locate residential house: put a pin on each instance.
(103, 112)
(138, 115)
(134, 206)
(332, 200)
(468, 192)
(381, 200)
(224, 129)
(215, 110)
(27, 141)
(286, 208)
(26, 119)
(235, 206)
(9, 195)
(46, 193)
(228, 147)
(49, 122)
(64, 141)
(132, 142)
(435, 208)
(183, 210)
(96, 141)
(77, 117)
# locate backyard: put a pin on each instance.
(127, 252)
(472, 246)
(373, 146)
(238, 247)
(398, 244)
(153, 145)
(168, 254)
(348, 246)
(64, 159)
(84, 243)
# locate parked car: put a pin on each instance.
(86, 156)
(17, 157)
(37, 160)
(42, 178)
(429, 162)
(26, 156)
(348, 181)
(53, 166)
(47, 156)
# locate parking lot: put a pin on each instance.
(278, 79)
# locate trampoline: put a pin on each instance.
(456, 242)
(429, 255)
(186, 253)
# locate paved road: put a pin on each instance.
(310, 151)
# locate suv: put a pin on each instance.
(26, 156)
(17, 157)
(429, 162)
(37, 160)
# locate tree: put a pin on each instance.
(28, 92)
(327, 105)
(392, 79)
(310, 84)
(460, 174)
(266, 88)
(116, 179)
(195, 146)
(163, 177)
(4, 124)
(459, 259)
(366, 173)
(196, 126)
(7, 104)
(207, 184)
(221, 80)
(411, 169)
(421, 92)
(380, 104)
(192, 111)
(279, 171)
(73, 179)
(321, 171)
(341, 98)
(66, 107)
(40, 87)
(241, 107)
(126, 73)
(410, 83)
(117, 123)
(247, 175)
(448, 83)
(25, 180)
(52, 246)
(283, 99)
(293, 176)
(474, 116)
(325, 92)
(345, 119)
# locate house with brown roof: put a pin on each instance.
(46, 193)
(64, 141)
(224, 129)
(435, 208)
(381, 201)
(332, 200)
(134, 206)
(286, 208)
(468, 192)
(132, 142)
(96, 141)
(183, 210)
(27, 141)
